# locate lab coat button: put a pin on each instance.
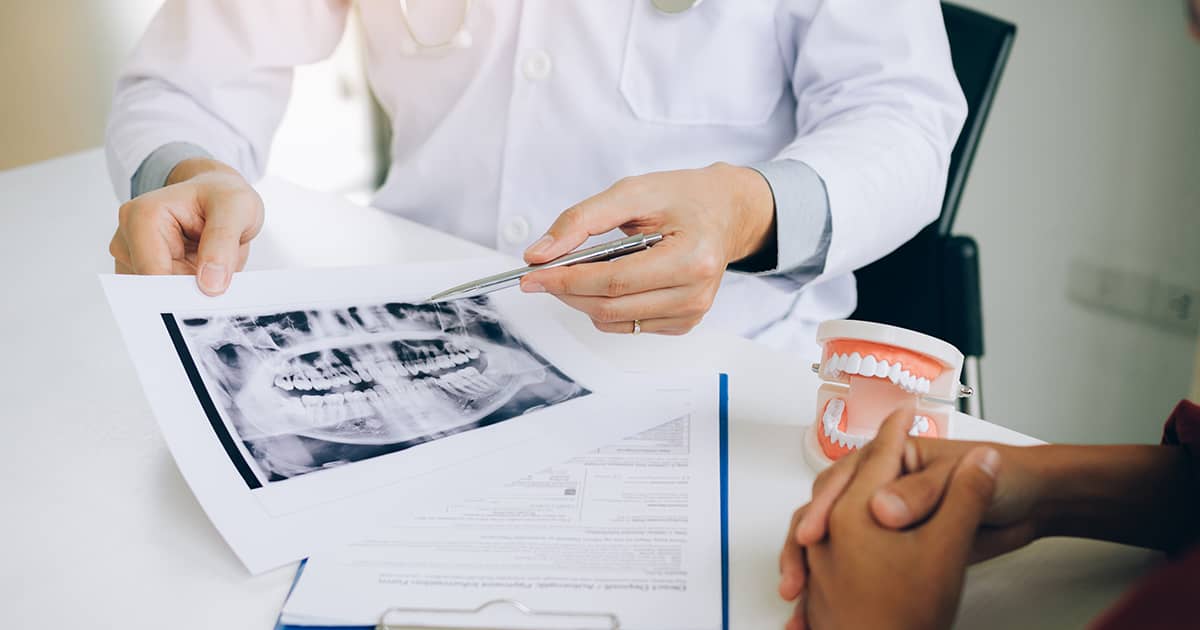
(537, 65)
(516, 231)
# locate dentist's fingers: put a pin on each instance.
(123, 260)
(675, 302)
(669, 326)
(120, 252)
(669, 288)
(664, 265)
(145, 232)
(596, 215)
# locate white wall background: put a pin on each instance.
(1092, 153)
(59, 59)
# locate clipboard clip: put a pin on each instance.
(506, 612)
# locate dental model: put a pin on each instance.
(869, 371)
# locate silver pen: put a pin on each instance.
(604, 251)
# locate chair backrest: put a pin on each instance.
(905, 288)
(979, 46)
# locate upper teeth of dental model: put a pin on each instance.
(897, 373)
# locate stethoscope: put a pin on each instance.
(462, 36)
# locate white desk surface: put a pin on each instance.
(98, 527)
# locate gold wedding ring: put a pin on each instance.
(637, 326)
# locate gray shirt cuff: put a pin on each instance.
(802, 222)
(153, 172)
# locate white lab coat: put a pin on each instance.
(556, 100)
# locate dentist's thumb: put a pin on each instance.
(220, 251)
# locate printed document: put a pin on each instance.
(632, 529)
(302, 403)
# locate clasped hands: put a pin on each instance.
(203, 220)
(890, 529)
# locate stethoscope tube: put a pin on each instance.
(460, 39)
(674, 6)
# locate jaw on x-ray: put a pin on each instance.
(313, 388)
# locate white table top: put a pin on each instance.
(111, 534)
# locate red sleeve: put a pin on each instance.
(1166, 598)
(1183, 427)
(1183, 430)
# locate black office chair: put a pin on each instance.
(931, 283)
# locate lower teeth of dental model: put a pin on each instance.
(830, 421)
(832, 418)
(920, 426)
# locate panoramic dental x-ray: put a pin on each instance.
(307, 389)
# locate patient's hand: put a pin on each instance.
(864, 575)
(926, 466)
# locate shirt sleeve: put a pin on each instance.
(215, 74)
(157, 167)
(878, 110)
(802, 223)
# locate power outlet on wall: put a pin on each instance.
(1135, 295)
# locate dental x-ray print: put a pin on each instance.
(308, 389)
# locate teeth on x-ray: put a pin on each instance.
(306, 389)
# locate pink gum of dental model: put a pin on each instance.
(871, 370)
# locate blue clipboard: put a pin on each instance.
(723, 417)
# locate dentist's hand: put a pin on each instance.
(200, 223)
(709, 218)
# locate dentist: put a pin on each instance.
(789, 142)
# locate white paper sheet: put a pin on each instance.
(302, 403)
(633, 529)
